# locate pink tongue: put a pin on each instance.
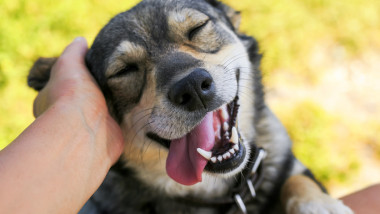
(184, 164)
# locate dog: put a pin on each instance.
(185, 86)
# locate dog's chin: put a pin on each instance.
(228, 153)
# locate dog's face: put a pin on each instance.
(172, 73)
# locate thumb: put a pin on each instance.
(70, 67)
(72, 59)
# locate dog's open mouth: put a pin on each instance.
(214, 145)
(228, 152)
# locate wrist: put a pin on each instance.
(88, 122)
(61, 149)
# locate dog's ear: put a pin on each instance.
(39, 74)
(233, 16)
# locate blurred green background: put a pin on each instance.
(321, 69)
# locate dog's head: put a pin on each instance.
(172, 73)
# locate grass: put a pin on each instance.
(288, 32)
(314, 132)
(31, 29)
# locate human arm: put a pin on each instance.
(60, 160)
(365, 201)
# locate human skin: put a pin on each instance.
(365, 201)
(58, 162)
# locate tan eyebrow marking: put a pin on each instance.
(126, 52)
(181, 21)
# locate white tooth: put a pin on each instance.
(213, 159)
(220, 158)
(225, 126)
(225, 156)
(234, 136)
(236, 147)
(224, 114)
(232, 151)
(204, 153)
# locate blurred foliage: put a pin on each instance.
(287, 31)
(30, 29)
(314, 132)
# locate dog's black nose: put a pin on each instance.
(195, 91)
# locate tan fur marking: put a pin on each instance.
(125, 52)
(299, 186)
(301, 195)
(191, 51)
(181, 21)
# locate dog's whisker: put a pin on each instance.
(144, 110)
(140, 129)
(247, 97)
(233, 78)
(145, 146)
(240, 70)
(140, 119)
(225, 60)
(131, 128)
(233, 58)
(141, 152)
(232, 61)
(238, 67)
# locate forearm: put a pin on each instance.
(56, 170)
(366, 201)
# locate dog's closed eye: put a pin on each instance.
(193, 31)
(128, 69)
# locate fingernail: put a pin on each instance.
(78, 39)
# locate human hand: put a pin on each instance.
(60, 160)
(72, 87)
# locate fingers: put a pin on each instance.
(71, 62)
(68, 72)
(77, 47)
